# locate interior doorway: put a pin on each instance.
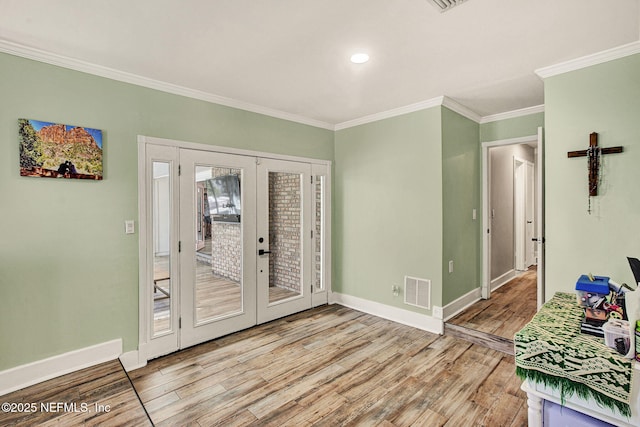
(228, 240)
(513, 215)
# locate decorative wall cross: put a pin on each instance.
(594, 153)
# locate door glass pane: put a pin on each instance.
(218, 257)
(161, 212)
(285, 222)
(318, 262)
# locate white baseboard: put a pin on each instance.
(502, 279)
(133, 360)
(399, 315)
(35, 372)
(455, 307)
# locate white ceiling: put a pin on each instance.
(292, 56)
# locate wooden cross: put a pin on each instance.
(593, 152)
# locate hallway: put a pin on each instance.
(493, 322)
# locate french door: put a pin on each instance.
(231, 241)
(284, 218)
(217, 282)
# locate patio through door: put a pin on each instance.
(232, 241)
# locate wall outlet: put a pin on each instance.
(396, 290)
(474, 215)
(451, 266)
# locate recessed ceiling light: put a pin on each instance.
(359, 58)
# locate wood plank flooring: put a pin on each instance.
(333, 366)
(329, 366)
(495, 321)
(215, 296)
(100, 395)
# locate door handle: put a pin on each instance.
(262, 252)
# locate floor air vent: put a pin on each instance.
(417, 292)
(444, 5)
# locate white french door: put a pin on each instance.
(217, 282)
(228, 241)
(284, 238)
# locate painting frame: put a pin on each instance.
(55, 150)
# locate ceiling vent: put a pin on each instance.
(444, 5)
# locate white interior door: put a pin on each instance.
(284, 227)
(218, 288)
(529, 210)
(519, 181)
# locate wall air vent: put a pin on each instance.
(444, 5)
(417, 292)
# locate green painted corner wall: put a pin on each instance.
(69, 274)
(604, 98)
(460, 196)
(388, 207)
(511, 128)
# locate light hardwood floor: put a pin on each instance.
(215, 296)
(328, 366)
(104, 389)
(494, 322)
(333, 366)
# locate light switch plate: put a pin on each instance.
(129, 227)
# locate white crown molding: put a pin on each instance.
(589, 60)
(513, 114)
(440, 101)
(123, 76)
(422, 105)
(460, 109)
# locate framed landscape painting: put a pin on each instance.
(54, 150)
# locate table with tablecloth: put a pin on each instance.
(551, 350)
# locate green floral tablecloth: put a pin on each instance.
(551, 350)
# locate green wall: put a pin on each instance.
(388, 206)
(604, 98)
(68, 273)
(460, 195)
(511, 128)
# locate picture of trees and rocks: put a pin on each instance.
(59, 151)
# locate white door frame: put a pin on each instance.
(486, 205)
(320, 167)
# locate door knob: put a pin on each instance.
(262, 252)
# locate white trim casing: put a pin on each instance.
(132, 360)
(126, 77)
(503, 279)
(513, 114)
(589, 60)
(418, 106)
(457, 306)
(399, 315)
(36, 372)
(486, 217)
